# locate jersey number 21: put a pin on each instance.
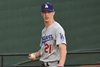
(47, 48)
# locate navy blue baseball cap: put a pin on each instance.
(47, 7)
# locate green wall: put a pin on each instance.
(21, 25)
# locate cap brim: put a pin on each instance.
(47, 10)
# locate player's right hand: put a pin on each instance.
(32, 56)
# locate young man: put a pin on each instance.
(53, 42)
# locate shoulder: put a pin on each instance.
(58, 26)
(43, 30)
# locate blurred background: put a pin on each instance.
(21, 25)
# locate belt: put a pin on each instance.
(47, 63)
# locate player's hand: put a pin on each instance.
(59, 65)
(32, 56)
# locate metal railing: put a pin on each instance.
(27, 61)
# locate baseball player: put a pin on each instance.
(53, 42)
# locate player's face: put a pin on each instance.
(47, 16)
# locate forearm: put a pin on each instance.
(63, 53)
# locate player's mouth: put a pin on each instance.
(46, 18)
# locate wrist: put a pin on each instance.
(37, 54)
(60, 65)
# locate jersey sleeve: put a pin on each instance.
(41, 39)
(41, 42)
(60, 36)
(41, 49)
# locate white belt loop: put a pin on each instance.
(46, 64)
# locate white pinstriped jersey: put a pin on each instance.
(51, 37)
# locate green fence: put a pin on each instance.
(21, 25)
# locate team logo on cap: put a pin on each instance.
(46, 6)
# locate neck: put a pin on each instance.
(47, 24)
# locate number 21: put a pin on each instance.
(47, 48)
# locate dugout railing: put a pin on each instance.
(19, 64)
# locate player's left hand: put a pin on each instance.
(59, 65)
